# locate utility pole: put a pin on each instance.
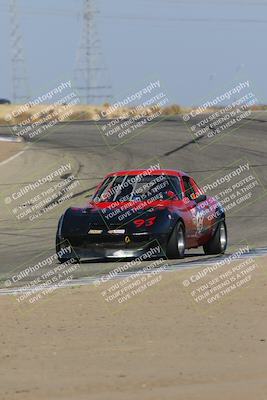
(90, 75)
(20, 88)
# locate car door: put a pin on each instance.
(207, 207)
(197, 210)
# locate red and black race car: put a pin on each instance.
(134, 211)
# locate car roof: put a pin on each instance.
(149, 172)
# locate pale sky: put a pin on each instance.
(196, 48)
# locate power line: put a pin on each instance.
(180, 19)
(77, 14)
(90, 74)
(213, 3)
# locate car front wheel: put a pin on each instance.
(62, 258)
(176, 244)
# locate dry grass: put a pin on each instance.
(11, 114)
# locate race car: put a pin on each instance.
(133, 212)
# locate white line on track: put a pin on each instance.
(13, 157)
(10, 138)
(258, 252)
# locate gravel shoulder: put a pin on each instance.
(159, 344)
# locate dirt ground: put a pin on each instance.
(160, 344)
(9, 149)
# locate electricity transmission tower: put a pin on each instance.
(20, 88)
(90, 75)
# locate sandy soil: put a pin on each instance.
(160, 344)
(8, 149)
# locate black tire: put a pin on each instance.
(176, 243)
(66, 258)
(218, 243)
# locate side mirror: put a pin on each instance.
(89, 198)
(201, 198)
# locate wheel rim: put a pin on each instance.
(223, 238)
(180, 241)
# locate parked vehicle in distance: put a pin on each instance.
(5, 101)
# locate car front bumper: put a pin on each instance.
(115, 246)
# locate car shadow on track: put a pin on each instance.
(200, 257)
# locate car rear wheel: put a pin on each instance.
(176, 244)
(218, 243)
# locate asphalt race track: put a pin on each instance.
(168, 142)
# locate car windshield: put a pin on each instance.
(139, 188)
